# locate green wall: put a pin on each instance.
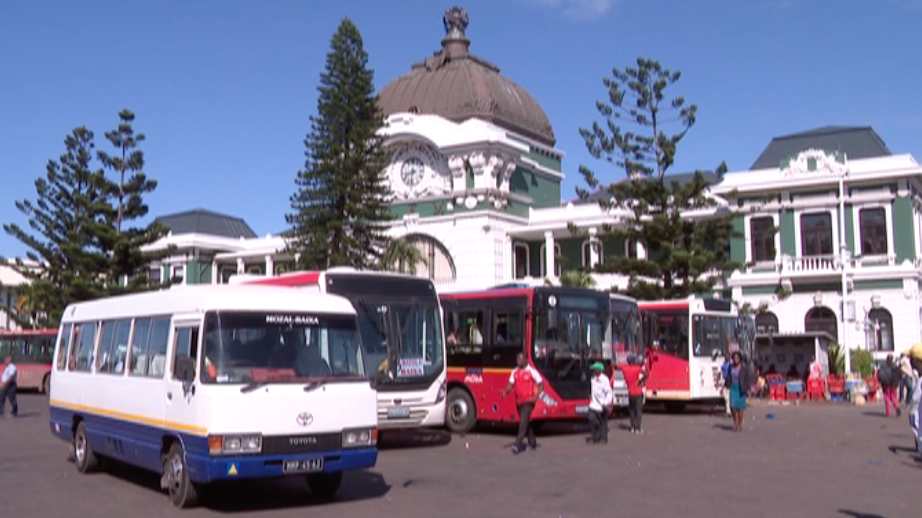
(543, 190)
(885, 284)
(904, 240)
(738, 244)
(850, 228)
(198, 271)
(788, 241)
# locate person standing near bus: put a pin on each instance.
(738, 383)
(527, 384)
(8, 386)
(600, 403)
(725, 373)
(635, 373)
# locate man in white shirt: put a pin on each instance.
(600, 402)
(8, 385)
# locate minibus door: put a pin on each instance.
(182, 378)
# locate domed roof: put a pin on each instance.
(458, 86)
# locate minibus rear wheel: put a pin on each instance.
(182, 491)
(84, 458)
(325, 485)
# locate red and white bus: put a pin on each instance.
(403, 345)
(32, 350)
(561, 331)
(685, 342)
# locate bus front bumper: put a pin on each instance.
(213, 468)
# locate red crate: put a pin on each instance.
(816, 389)
(873, 388)
(836, 384)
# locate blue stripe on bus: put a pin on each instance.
(141, 445)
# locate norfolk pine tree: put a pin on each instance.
(340, 209)
(68, 215)
(684, 254)
(127, 163)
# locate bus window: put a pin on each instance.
(62, 349)
(114, 346)
(139, 347)
(82, 352)
(508, 328)
(709, 336)
(186, 339)
(671, 334)
(156, 346)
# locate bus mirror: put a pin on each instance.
(185, 368)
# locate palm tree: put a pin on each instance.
(402, 256)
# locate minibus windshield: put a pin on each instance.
(260, 347)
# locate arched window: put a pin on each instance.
(438, 266)
(880, 330)
(767, 324)
(587, 253)
(556, 260)
(822, 319)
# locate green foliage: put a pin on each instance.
(687, 255)
(836, 359)
(340, 210)
(577, 279)
(74, 250)
(402, 256)
(862, 362)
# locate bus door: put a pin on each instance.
(667, 343)
(182, 376)
(506, 338)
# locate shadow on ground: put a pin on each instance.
(419, 438)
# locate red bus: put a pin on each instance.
(32, 351)
(685, 342)
(561, 331)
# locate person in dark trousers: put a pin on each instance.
(889, 377)
(601, 399)
(527, 384)
(635, 373)
(738, 383)
(8, 386)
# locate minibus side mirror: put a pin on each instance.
(185, 369)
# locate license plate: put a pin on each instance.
(302, 466)
(398, 413)
(582, 409)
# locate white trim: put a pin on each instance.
(587, 260)
(856, 226)
(532, 164)
(748, 235)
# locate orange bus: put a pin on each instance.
(32, 350)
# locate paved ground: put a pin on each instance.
(806, 461)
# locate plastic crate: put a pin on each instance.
(816, 389)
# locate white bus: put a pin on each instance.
(214, 383)
(404, 345)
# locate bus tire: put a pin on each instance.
(84, 458)
(325, 485)
(46, 385)
(182, 491)
(674, 407)
(460, 411)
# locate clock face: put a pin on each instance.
(412, 171)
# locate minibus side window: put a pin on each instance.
(64, 340)
(82, 352)
(156, 347)
(186, 339)
(139, 347)
(113, 347)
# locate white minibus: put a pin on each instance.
(212, 383)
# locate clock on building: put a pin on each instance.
(412, 171)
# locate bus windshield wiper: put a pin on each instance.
(253, 385)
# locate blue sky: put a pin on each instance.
(223, 89)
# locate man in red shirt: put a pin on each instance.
(527, 384)
(635, 373)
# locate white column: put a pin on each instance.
(215, 273)
(641, 251)
(241, 266)
(508, 259)
(270, 265)
(593, 247)
(549, 255)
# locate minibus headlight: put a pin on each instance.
(230, 444)
(360, 437)
(442, 391)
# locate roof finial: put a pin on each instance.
(455, 21)
(455, 42)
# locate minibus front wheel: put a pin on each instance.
(176, 475)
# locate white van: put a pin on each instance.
(213, 383)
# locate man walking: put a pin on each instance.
(600, 402)
(889, 377)
(527, 384)
(8, 385)
(908, 380)
(635, 373)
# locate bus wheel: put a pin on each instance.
(46, 385)
(460, 411)
(84, 457)
(182, 492)
(674, 407)
(325, 485)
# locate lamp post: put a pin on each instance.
(844, 256)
